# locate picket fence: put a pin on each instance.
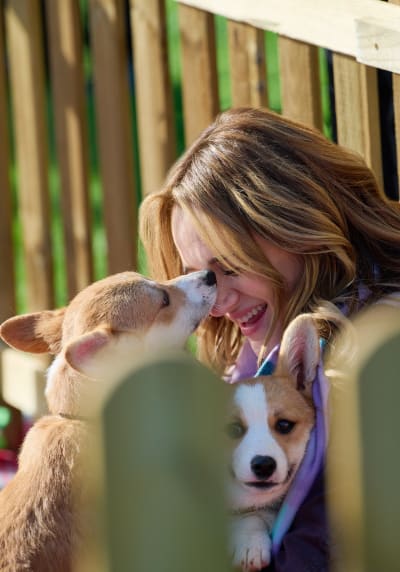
(55, 55)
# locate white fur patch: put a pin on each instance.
(253, 403)
(52, 372)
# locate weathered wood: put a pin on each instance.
(114, 125)
(157, 143)
(247, 65)
(368, 30)
(300, 82)
(199, 77)
(25, 36)
(357, 110)
(7, 282)
(66, 59)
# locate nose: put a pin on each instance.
(210, 278)
(227, 299)
(263, 466)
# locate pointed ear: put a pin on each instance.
(300, 352)
(40, 332)
(82, 352)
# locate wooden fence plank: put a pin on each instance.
(365, 509)
(300, 84)
(7, 281)
(247, 65)
(157, 143)
(66, 59)
(114, 124)
(163, 473)
(366, 29)
(357, 110)
(24, 33)
(199, 77)
(396, 105)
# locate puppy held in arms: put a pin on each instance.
(269, 427)
(96, 340)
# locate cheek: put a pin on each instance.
(289, 265)
(261, 288)
(295, 445)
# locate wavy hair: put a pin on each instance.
(254, 171)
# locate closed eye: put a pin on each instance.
(166, 300)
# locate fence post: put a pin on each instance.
(364, 463)
(155, 114)
(67, 78)
(163, 472)
(114, 121)
(357, 110)
(247, 65)
(301, 90)
(199, 70)
(24, 35)
(7, 282)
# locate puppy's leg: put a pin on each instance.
(251, 544)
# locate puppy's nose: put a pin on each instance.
(263, 466)
(210, 278)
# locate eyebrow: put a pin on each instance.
(213, 260)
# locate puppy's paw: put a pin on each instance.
(251, 550)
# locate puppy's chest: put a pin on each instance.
(265, 515)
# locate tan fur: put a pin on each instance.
(104, 327)
(259, 407)
(287, 402)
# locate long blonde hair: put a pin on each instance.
(253, 171)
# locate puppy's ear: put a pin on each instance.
(40, 332)
(81, 354)
(300, 352)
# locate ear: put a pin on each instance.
(300, 352)
(81, 353)
(40, 332)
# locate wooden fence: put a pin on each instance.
(55, 53)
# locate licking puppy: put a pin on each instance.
(270, 421)
(96, 339)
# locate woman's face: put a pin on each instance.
(246, 299)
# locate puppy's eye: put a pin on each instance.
(235, 430)
(166, 300)
(284, 426)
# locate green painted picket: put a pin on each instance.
(163, 472)
(364, 455)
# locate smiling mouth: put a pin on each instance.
(262, 484)
(265, 485)
(253, 316)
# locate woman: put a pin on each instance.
(290, 223)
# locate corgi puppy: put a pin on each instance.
(269, 425)
(98, 336)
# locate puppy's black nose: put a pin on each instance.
(210, 278)
(263, 466)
